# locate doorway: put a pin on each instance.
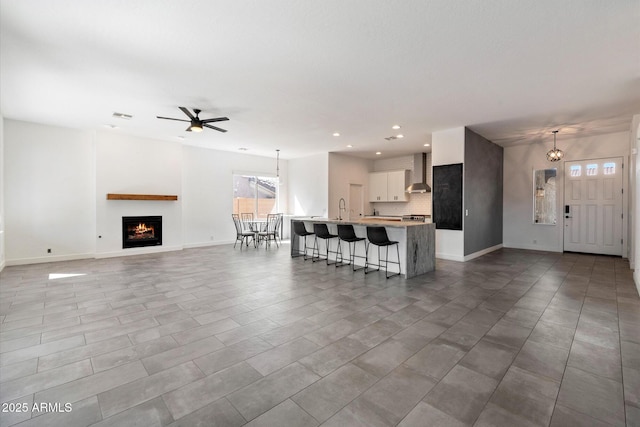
(356, 208)
(593, 206)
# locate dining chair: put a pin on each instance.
(242, 235)
(247, 221)
(279, 227)
(270, 231)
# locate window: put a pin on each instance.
(609, 168)
(255, 194)
(576, 170)
(592, 169)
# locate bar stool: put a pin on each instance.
(378, 236)
(300, 230)
(347, 234)
(322, 232)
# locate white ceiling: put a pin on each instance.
(290, 73)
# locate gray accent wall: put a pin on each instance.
(483, 173)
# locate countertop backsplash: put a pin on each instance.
(420, 204)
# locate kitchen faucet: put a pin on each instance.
(341, 207)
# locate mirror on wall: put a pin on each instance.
(544, 196)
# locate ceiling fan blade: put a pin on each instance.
(188, 129)
(171, 118)
(217, 119)
(187, 112)
(213, 127)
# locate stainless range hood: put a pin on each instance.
(420, 170)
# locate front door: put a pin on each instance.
(593, 206)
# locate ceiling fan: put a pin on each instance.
(196, 123)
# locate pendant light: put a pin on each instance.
(556, 154)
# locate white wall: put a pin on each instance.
(634, 257)
(208, 191)
(2, 253)
(344, 171)
(49, 192)
(519, 162)
(133, 165)
(447, 147)
(56, 181)
(309, 185)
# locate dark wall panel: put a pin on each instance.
(446, 194)
(483, 183)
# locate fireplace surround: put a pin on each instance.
(140, 231)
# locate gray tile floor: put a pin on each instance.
(222, 337)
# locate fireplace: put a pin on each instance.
(139, 231)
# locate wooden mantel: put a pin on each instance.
(114, 196)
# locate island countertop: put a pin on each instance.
(416, 241)
(367, 221)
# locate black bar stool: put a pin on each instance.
(300, 230)
(347, 234)
(322, 232)
(378, 236)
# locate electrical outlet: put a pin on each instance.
(211, 237)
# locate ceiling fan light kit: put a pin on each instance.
(555, 154)
(195, 123)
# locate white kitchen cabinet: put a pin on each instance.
(397, 183)
(388, 186)
(378, 187)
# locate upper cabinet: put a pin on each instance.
(397, 183)
(378, 187)
(389, 186)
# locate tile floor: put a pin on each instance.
(223, 337)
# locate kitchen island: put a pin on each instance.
(417, 242)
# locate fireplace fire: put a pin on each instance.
(139, 231)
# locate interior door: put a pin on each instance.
(593, 206)
(356, 205)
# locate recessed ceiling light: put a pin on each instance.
(110, 126)
(378, 153)
(122, 116)
(395, 127)
(426, 145)
(336, 134)
(399, 136)
(242, 149)
(349, 146)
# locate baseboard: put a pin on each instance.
(43, 260)
(532, 248)
(138, 251)
(482, 252)
(222, 242)
(205, 244)
(461, 258)
(450, 257)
